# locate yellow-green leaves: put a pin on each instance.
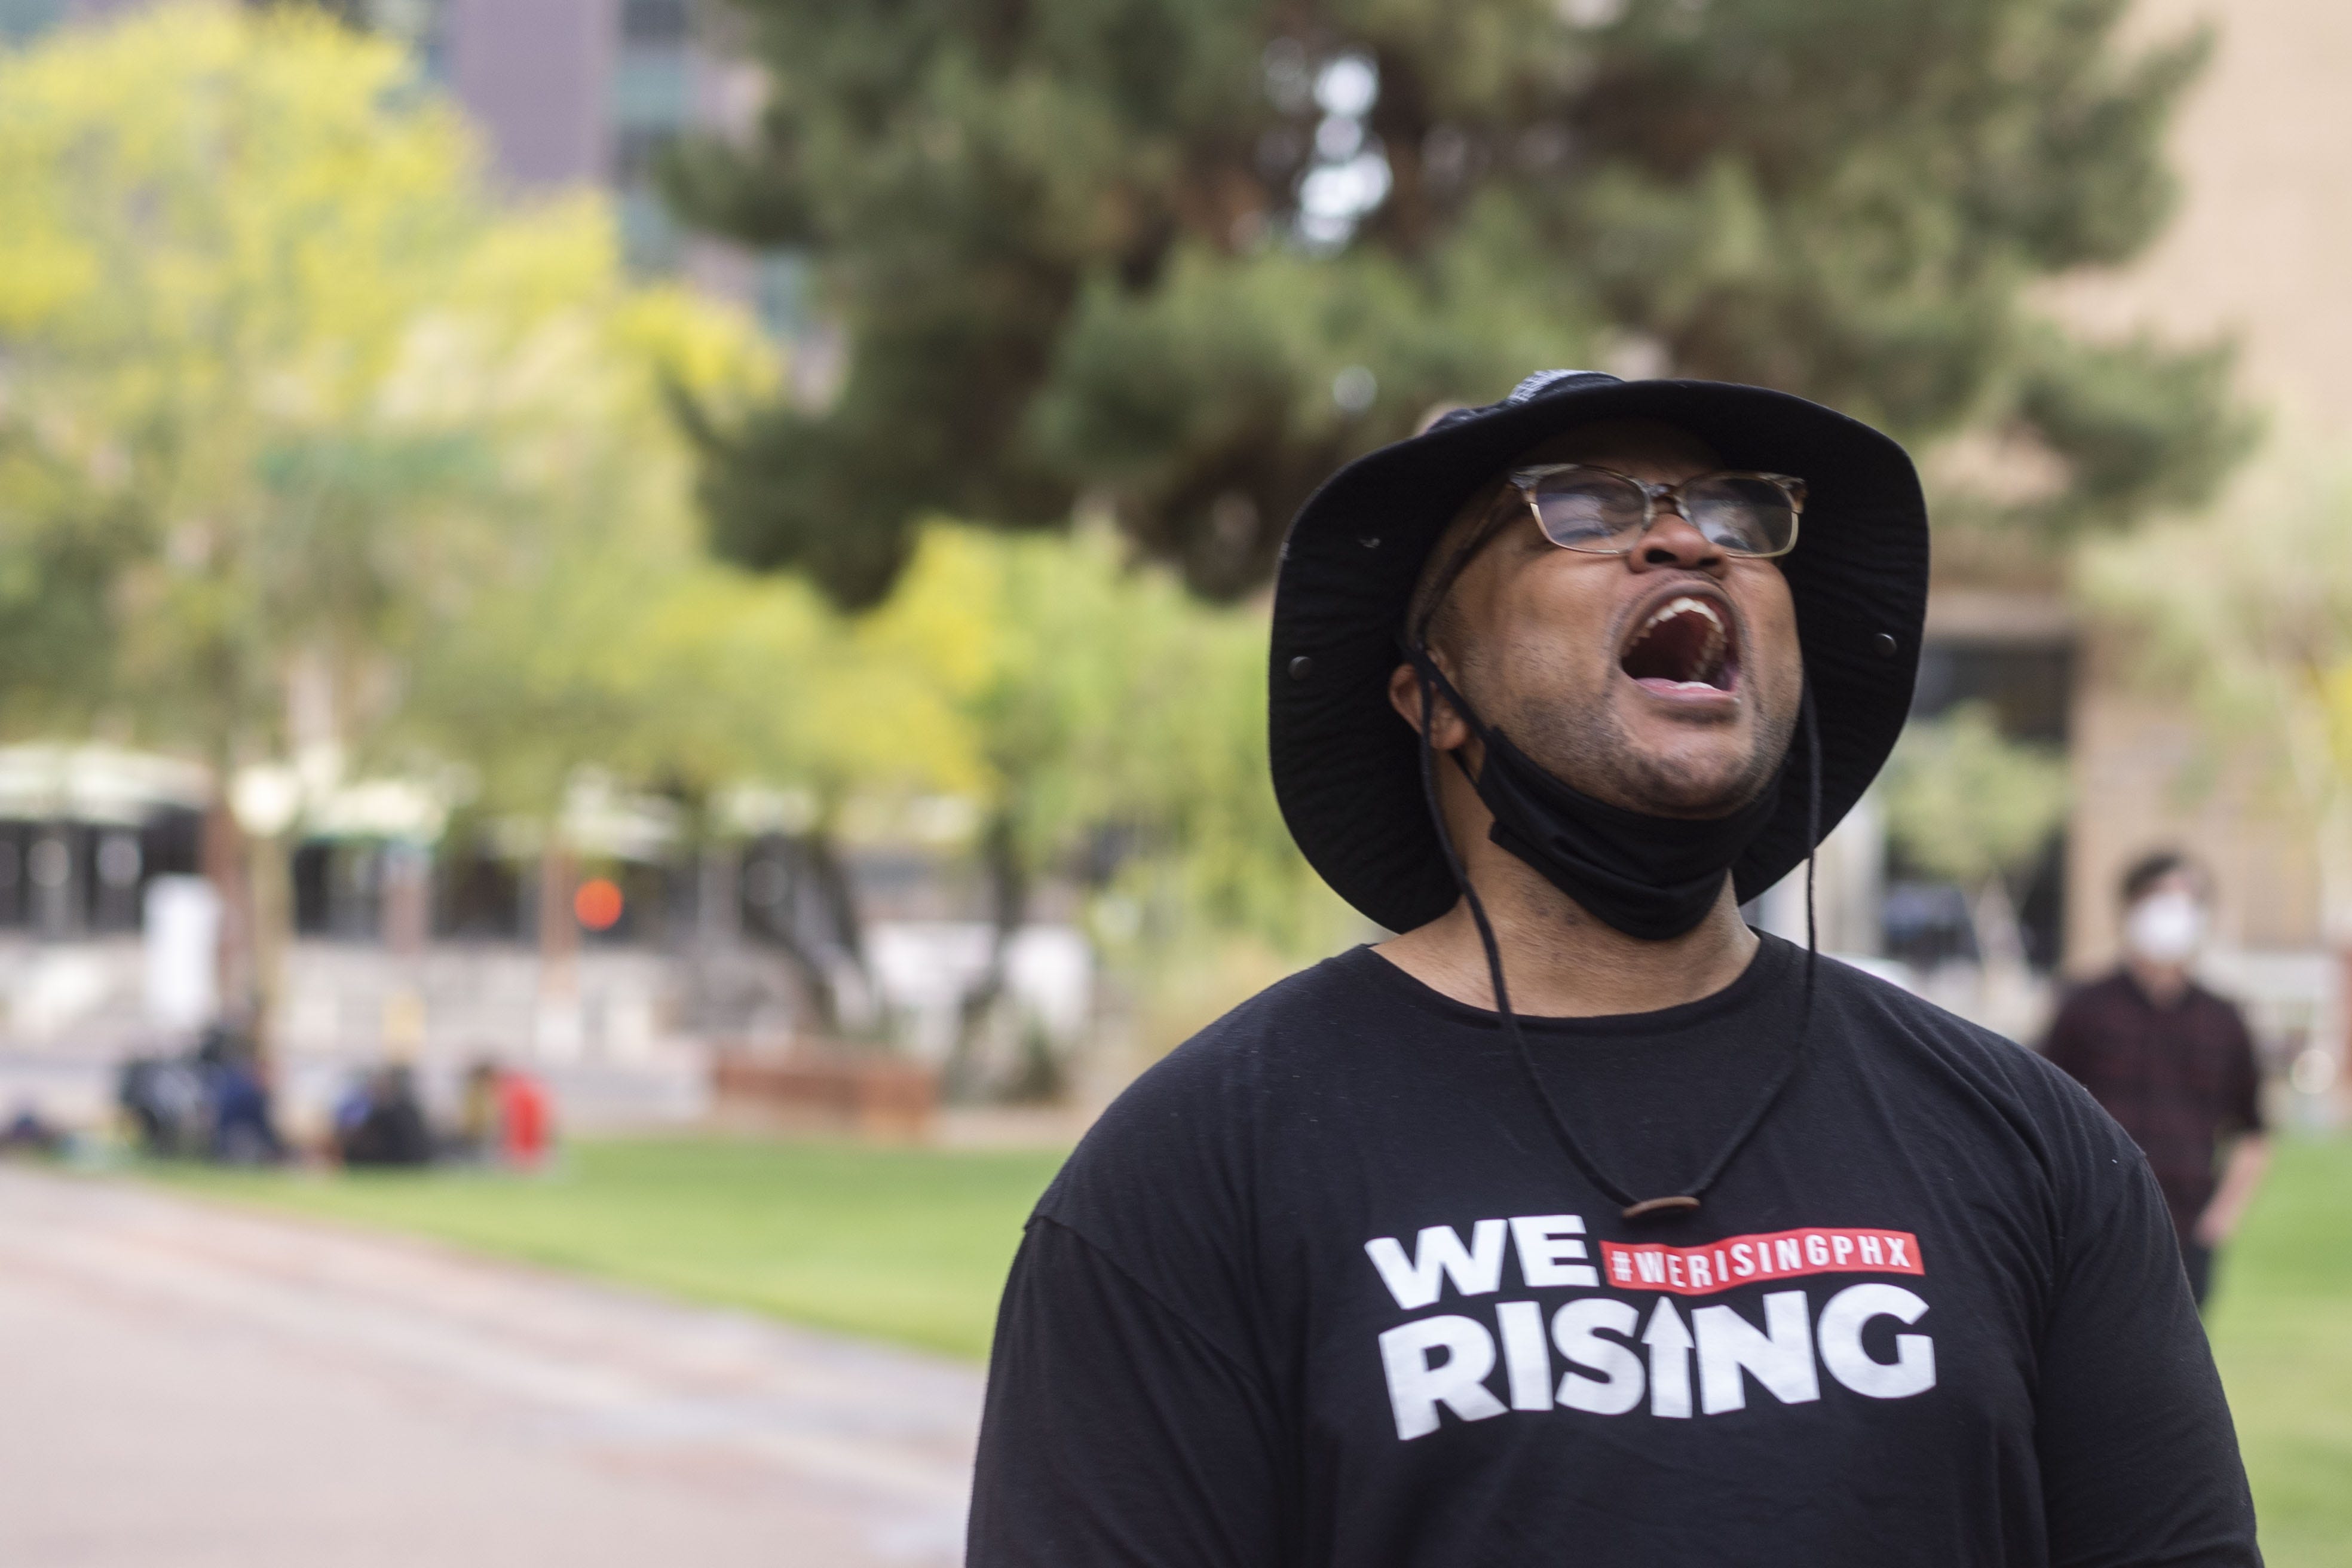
(1967, 803)
(271, 341)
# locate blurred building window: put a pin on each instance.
(2016, 654)
(631, 902)
(51, 863)
(15, 908)
(478, 895)
(653, 89)
(421, 25)
(2029, 684)
(21, 19)
(637, 152)
(650, 240)
(117, 865)
(338, 889)
(70, 878)
(655, 23)
(170, 844)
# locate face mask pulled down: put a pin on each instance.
(1650, 877)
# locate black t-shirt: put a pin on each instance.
(1323, 1288)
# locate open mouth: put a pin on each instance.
(1685, 646)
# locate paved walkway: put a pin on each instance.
(185, 1386)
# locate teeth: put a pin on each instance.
(1676, 606)
(1717, 635)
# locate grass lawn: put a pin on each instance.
(912, 1244)
(908, 1245)
(2282, 1326)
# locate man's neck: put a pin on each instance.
(2162, 983)
(1559, 962)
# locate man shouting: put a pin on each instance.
(1578, 1223)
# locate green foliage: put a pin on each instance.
(217, 239)
(2244, 616)
(287, 401)
(58, 550)
(1966, 803)
(1117, 726)
(307, 446)
(1091, 247)
(909, 1244)
(2137, 421)
(2247, 610)
(2282, 1288)
(1101, 719)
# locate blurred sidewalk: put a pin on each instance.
(189, 1385)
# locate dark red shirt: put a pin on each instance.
(2178, 1078)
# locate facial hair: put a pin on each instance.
(1584, 745)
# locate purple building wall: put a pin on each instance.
(537, 75)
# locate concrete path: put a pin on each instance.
(185, 1386)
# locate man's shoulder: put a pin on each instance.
(2101, 996)
(1870, 996)
(2218, 1006)
(2111, 985)
(1983, 1079)
(1876, 1009)
(1298, 1017)
(1167, 1182)
(1195, 1114)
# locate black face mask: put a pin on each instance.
(1649, 877)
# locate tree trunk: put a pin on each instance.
(270, 890)
(404, 924)
(836, 898)
(2005, 995)
(812, 920)
(558, 1024)
(221, 851)
(1992, 921)
(1008, 884)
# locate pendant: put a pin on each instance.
(1649, 1207)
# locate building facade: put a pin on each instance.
(2256, 252)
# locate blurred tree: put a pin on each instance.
(633, 654)
(215, 238)
(1965, 803)
(1189, 255)
(312, 457)
(284, 396)
(1119, 726)
(2258, 641)
(60, 547)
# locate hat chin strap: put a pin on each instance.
(1434, 681)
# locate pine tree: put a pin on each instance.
(1183, 257)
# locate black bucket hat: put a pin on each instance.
(1345, 767)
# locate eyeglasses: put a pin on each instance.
(1600, 511)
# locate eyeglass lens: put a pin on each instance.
(1583, 509)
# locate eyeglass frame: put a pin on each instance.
(1524, 479)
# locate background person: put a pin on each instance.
(2171, 1061)
(243, 1131)
(389, 1128)
(478, 1133)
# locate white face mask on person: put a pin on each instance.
(2165, 928)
